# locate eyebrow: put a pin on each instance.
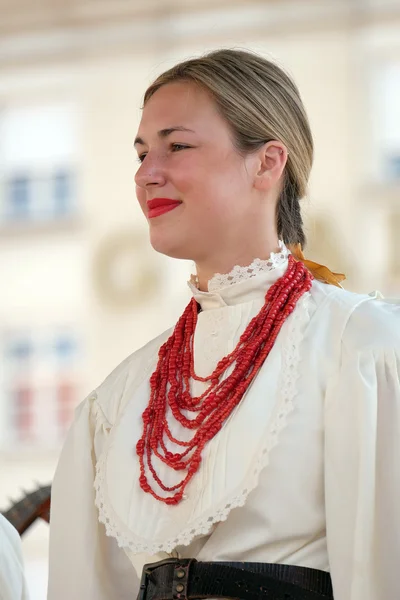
(163, 133)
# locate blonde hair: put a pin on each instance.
(260, 103)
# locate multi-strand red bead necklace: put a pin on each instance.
(170, 383)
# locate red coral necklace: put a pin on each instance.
(170, 383)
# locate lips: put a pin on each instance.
(157, 202)
(159, 206)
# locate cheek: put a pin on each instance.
(187, 179)
(222, 194)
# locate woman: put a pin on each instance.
(265, 428)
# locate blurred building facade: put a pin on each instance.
(80, 286)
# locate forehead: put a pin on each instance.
(180, 103)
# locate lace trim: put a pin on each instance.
(238, 273)
(203, 525)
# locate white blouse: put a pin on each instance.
(305, 471)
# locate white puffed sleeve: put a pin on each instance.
(362, 457)
(12, 578)
(84, 563)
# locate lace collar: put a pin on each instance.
(220, 281)
(242, 283)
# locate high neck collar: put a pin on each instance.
(242, 284)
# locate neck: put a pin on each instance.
(225, 263)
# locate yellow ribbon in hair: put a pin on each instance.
(320, 272)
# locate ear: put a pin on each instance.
(272, 159)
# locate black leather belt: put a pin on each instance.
(187, 579)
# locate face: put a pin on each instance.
(193, 186)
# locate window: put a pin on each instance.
(394, 241)
(39, 196)
(20, 350)
(17, 203)
(41, 386)
(62, 193)
(66, 402)
(22, 413)
(39, 150)
(393, 165)
(64, 347)
(386, 113)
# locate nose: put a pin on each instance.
(150, 173)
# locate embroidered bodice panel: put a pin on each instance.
(234, 459)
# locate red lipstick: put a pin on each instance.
(159, 206)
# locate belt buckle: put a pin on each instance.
(146, 573)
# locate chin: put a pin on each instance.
(170, 247)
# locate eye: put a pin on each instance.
(174, 148)
(177, 147)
